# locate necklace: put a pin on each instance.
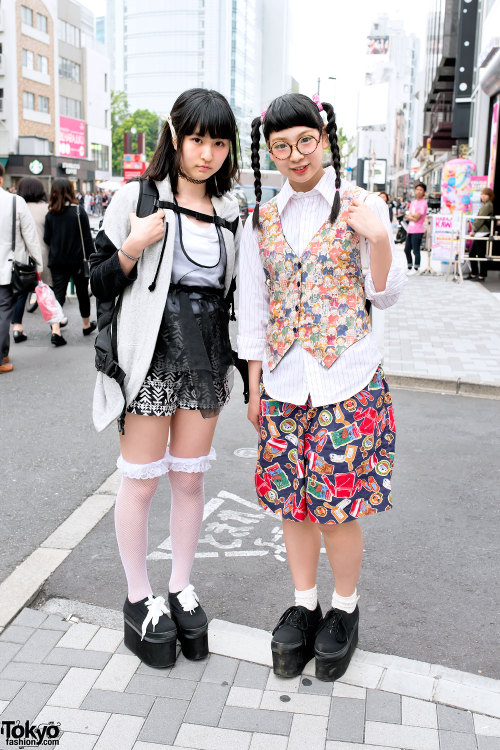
(190, 179)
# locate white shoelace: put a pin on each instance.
(156, 607)
(188, 599)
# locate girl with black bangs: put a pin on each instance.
(172, 271)
(319, 400)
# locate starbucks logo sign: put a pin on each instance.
(35, 166)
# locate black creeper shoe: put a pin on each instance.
(191, 621)
(149, 632)
(292, 645)
(336, 639)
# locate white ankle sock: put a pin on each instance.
(346, 603)
(307, 598)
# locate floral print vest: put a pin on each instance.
(317, 298)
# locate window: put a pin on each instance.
(26, 15)
(43, 103)
(71, 108)
(69, 33)
(28, 59)
(105, 81)
(100, 154)
(28, 100)
(1, 100)
(69, 69)
(42, 64)
(105, 118)
(41, 22)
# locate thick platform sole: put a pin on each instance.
(159, 652)
(194, 646)
(290, 661)
(328, 668)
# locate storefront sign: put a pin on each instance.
(445, 236)
(35, 167)
(70, 167)
(72, 138)
(133, 165)
(477, 185)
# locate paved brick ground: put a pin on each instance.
(81, 676)
(444, 329)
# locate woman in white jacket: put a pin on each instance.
(172, 271)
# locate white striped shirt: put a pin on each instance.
(298, 374)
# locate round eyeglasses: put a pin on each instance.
(305, 145)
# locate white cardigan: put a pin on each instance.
(141, 310)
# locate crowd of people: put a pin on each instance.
(55, 233)
(95, 204)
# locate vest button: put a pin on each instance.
(295, 331)
(298, 283)
(299, 265)
(296, 307)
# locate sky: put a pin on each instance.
(328, 39)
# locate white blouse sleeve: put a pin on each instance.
(396, 279)
(253, 299)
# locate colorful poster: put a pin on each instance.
(445, 236)
(72, 141)
(455, 186)
(378, 45)
(493, 145)
(476, 187)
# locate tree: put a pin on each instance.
(122, 121)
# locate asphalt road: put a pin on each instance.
(429, 582)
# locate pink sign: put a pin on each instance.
(72, 138)
(493, 146)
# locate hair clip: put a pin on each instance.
(315, 98)
(171, 126)
(262, 115)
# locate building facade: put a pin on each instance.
(227, 45)
(387, 111)
(54, 118)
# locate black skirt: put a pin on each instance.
(192, 356)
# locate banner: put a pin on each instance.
(72, 141)
(378, 45)
(446, 237)
(493, 145)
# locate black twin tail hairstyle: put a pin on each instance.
(288, 111)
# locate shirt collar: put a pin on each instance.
(325, 187)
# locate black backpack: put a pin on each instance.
(106, 350)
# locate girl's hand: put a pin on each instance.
(362, 219)
(145, 231)
(471, 233)
(254, 411)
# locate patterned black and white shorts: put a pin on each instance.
(163, 392)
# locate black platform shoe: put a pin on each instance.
(149, 632)
(292, 645)
(191, 621)
(336, 640)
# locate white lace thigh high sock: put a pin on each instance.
(133, 501)
(186, 514)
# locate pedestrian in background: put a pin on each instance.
(416, 228)
(318, 396)
(481, 228)
(18, 240)
(68, 248)
(33, 192)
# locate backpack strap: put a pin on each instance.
(217, 220)
(148, 202)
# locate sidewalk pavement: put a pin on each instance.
(444, 331)
(66, 664)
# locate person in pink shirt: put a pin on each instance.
(416, 214)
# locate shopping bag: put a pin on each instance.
(50, 308)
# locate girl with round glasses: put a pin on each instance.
(319, 400)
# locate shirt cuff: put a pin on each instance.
(250, 348)
(396, 281)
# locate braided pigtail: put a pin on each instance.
(256, 169)
(331, 129)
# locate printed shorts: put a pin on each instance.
(330, 463)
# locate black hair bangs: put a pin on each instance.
(289, 111)
(206, 112)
